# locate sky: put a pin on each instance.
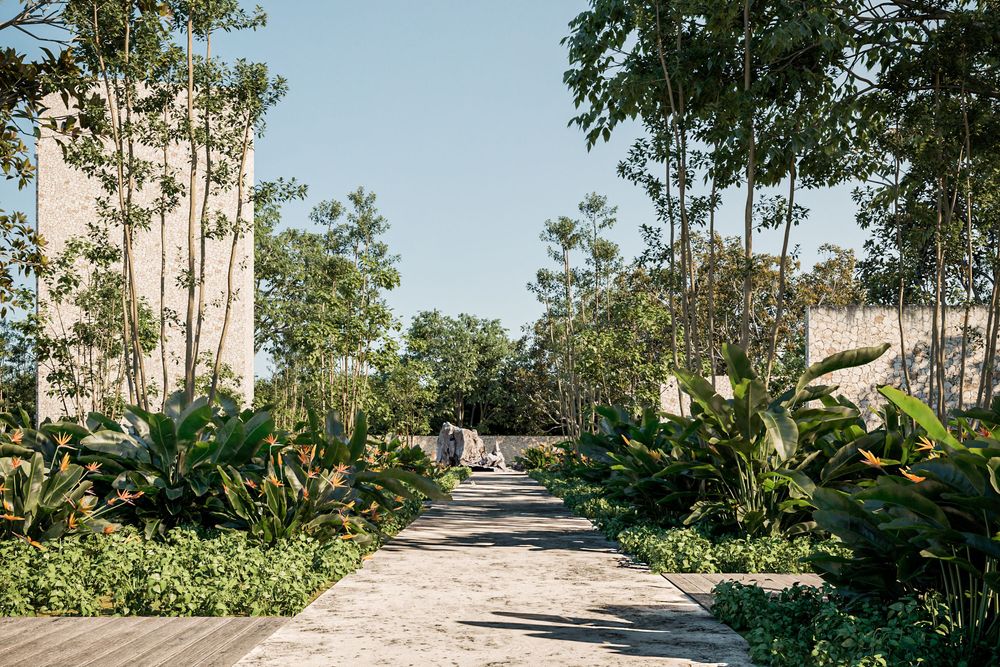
(454, 113)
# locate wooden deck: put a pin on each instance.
(699, 587)
(134, 641)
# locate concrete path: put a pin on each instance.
(502, 575)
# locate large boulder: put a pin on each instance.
(457, 446)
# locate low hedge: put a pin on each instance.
(681, 549)
(805, 626)
(190, 572)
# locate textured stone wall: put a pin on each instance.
(831, 330)
(679, 403)
(510, 445)
(67, 202)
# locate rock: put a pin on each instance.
(457, 446)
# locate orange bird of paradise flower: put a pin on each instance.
(17, 436)
(916, 479)
(870, 459)
(925, 445)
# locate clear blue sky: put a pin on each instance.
(455, 114)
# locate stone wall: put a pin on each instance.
(510, 445)
(831, 330)
(67, 202)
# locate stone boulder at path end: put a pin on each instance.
(457, 446)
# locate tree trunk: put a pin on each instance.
(190, 349)
(780, 305)
(751, 174)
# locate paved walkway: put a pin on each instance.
(502, 575)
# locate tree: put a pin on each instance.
(322, 313)
(27, 80)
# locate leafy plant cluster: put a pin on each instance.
(191, 571)
(678, 548)
(804, 626)
(207, 466)
(733, 463)
(913, 504)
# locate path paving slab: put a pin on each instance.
(503, 574)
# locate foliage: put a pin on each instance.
(27, 81)
(542, 457)
(17, 366)
(803, 626)
(322, 312)
(679, 549)
(746, 445)
(306, 488)
(932, 528)
(42, 502)
(166, 466)
(187, 572)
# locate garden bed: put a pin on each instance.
(680, 549)
(188, 572)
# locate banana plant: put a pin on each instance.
(746, 447)
(165, 466)
(43, 502)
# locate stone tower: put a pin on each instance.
(67, 202)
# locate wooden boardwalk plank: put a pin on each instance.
(133, 641)
(33, 647)
(162, 652)
(235, 645)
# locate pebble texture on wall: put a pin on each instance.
(831, 330)
(67, 201)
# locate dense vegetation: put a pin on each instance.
(191, 571)
(907, 508)
(188, 511)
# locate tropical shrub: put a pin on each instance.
(186, 571)
(165, 467)
(818, 627)
(682, 549)
(46, 502)
(645, 460)
(395, 453)
(933, 527)
(326, 447)
(541, 457)
(741, 447)
(326, 483)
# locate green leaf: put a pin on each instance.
(922, 414)
(782, 432)
(359, 438)
(835, 362)
(118, 444)
(737, 364)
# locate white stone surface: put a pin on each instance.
(67, 201)
(502, 575)
(831, 330)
